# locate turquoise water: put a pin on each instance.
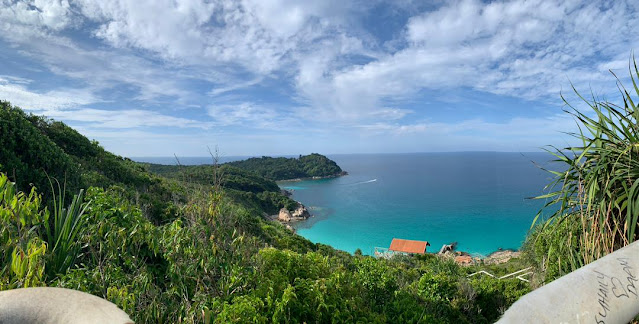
(477, 199)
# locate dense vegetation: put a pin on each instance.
(251, 182)
(306, 166)
(596, 196)
(245, 188)
(280, 168)
(204, 255)
(36, 151)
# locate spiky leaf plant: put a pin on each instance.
(62, 233)
(597, 195)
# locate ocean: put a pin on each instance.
(478, 199)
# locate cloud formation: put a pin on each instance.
(371, 67)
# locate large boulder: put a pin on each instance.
(300, 213)
(284, 215)
(501, 256)
(464, 260)
(48, 305)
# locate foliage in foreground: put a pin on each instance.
(219, 263)
(596, 198)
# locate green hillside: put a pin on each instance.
(36, 151)
(251, 182)
(194, 247)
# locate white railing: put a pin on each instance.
(520, 277)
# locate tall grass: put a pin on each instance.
(63, 232)
(598, 193)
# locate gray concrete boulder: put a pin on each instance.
(604, 291)
(48, 305)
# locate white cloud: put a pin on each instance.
(192, 54)
(232, 87)
(285, 18)
(248, 114)
(44, 14)
(514, 135)
(173, 29)
(123, 119)
(518, 127)
(394, 129)
(6, 79)
(525, 49)
(221, 42)
(522, 48)
(13, 90)
(254, 35)
(390, 113)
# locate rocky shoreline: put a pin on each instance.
(466, 259)
(300, 213)
(286, 217)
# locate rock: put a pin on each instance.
(448, 248)
(300, 213)
(284, 215)
(501, 256)
(464, 260)
(50, 305)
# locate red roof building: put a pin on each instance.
(408, 246)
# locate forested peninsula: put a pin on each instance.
(251, 182)
(277, 169)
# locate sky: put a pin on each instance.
(278, 77)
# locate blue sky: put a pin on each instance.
(274, 77)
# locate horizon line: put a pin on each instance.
(327, 154)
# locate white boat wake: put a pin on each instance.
(363, 182)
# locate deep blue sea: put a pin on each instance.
(478, 199)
